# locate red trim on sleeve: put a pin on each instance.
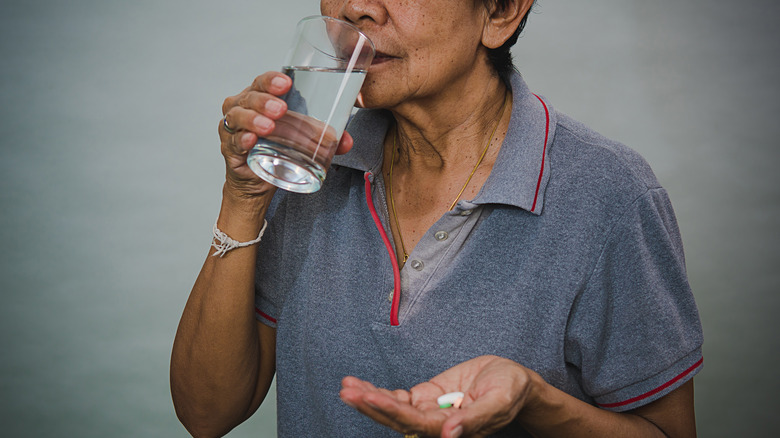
(265, 315)
(390, 250)
(654, 391)
(544, 150)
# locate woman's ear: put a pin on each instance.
(502, 22)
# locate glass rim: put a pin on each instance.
(340, 22)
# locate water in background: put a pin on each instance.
(110, 179)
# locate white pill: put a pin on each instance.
(450, 399)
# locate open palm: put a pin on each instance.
(495, 391)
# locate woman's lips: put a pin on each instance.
(380, 58)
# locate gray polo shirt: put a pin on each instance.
(568, 261)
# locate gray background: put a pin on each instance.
(111, 176)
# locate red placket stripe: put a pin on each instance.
(390, 251)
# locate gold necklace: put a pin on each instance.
(390, 178)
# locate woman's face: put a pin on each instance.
(423, 47)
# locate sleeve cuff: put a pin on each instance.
(654, 387)
(265, 318)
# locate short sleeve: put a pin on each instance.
(269, 291)
(634, 331)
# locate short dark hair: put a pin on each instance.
(501, 57)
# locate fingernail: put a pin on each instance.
(246, 139)
(273, 106)
(457, 432)
(262, 122)
(278, 82)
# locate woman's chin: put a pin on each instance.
(378, 92)
(368, 98)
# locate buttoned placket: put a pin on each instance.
(429, 260)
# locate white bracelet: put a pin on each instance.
(223, 243)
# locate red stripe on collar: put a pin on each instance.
(544, 150)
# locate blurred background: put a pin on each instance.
(110, 181)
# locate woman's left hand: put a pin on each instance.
(495, 389)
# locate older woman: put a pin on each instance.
(469, 239)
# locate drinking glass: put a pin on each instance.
(327, 63)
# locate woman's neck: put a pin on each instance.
(433, 134)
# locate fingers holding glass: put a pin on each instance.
(324, 72)
(272, 82)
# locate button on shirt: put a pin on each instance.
(434, 252)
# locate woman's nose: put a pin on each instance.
(358, 11)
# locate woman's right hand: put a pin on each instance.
(253, 113)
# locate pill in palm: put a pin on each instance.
(452, 399)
